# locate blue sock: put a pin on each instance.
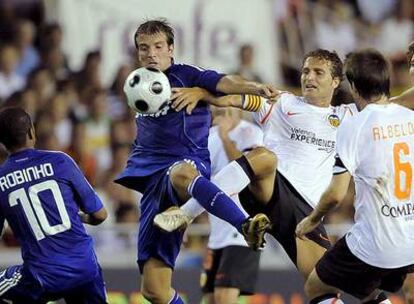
(176, 299)
(216, 201)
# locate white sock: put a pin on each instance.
(231, 180)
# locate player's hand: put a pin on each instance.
(186, 98)
(269, 91)
(308, 224)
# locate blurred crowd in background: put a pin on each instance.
(74, 112)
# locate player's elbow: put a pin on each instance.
(99, 217)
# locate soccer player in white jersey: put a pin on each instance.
(375, 147)
(230, 266)
(286, 179)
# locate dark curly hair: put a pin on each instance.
(332, 57)
(15, 125)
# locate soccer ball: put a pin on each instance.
(147, 90)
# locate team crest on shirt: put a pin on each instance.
(334, 120)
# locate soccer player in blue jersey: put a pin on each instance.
(170, 161)
(46, 199)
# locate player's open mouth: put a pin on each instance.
(152, 64)
(310, 87)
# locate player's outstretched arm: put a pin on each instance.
(406, 99)
(189, 97)
(331, 198)
(94, 218)
(234, 84)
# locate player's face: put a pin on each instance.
(317, 81)
(412, 66)
(154, 51)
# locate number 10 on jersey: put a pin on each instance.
(35, 212)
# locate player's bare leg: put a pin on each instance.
(319, 292)
(226, 295)
(308, 254)
(408, 289)
(263, 163)
(156, 282)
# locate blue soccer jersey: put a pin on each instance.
(170, 136)
(41, 193)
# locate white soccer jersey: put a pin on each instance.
(377, 148)
(245, 135)
(303, 137)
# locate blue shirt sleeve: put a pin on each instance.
(89, 201)
(206, 79)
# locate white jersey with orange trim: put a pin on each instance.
(376, 146)
(303, 138)
(245, 136)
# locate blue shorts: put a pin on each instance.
(159, 196)
(17, 284)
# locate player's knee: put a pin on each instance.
(262, 160)
(154, 294)
(182, 175)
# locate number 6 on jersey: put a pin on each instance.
(403, 171)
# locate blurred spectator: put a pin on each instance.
(126, 214)
(90, 74)
(10, 81)
(25, 99)
(117, 194)
(397, 31)
(120, 133)
(98, 129)
(296, 38)
(7, 21)
(79, 152)
(375, 11)
(117, 105)
(43, 85)
(334, 28)
(246, 63)
(24, 39)
(54, 61)
(51, 35)
(78, 110)
(59, 113)
(48, 141)
(44, 124)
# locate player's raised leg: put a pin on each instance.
(256, 169)
(187, 181)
